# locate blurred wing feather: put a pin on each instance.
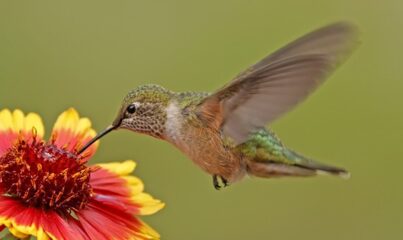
(277, 83)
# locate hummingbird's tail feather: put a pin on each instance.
(271, 169)
(297, 165)
(319, 168)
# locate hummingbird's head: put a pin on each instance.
(143, 110)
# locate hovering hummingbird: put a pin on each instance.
(224, 132)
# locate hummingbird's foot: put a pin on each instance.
(217, 184)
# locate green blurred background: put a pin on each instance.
(89, 54)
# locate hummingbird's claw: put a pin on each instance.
(224, 181)
(217, 184)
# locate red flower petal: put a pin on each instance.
(108, 222)
(71, 132)
(33, 221)
(112, 190)
(113, 179)
(7, 138)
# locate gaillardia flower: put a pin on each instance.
(47, 190)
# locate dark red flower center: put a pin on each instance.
(45, 176)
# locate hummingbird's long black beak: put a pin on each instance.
(96, 138)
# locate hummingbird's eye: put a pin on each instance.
(131, 108)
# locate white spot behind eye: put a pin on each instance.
(136, 104)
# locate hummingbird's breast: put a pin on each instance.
(202, 144)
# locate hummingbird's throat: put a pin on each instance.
(173, 124)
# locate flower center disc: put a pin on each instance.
(42, 175)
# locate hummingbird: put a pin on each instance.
(224, 132)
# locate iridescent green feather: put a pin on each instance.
(265, 146)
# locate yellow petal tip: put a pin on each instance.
(120, 168)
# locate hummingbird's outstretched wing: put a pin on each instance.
(277, 83)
